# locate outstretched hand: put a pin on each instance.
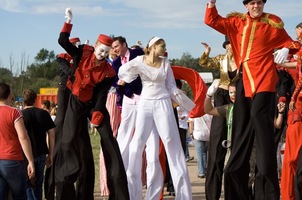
(208, 48)
(68, 15)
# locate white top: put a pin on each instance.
(202, 127)
(157, 83)
(183, 123)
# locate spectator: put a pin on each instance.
(40, 128)
(14, 141)
(200, 129)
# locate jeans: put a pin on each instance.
(13, 178)
(35, 193)
(201, 154)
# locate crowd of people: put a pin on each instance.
(133, 99)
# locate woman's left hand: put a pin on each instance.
(121, 82)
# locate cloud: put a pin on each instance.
(147, 14)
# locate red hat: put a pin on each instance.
(74, 40)
(105, 40)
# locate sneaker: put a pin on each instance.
(201, 176)
(189, 158)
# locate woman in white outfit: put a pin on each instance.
(155, 111)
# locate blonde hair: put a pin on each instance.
(53, 111)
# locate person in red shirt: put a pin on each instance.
(254, 36)
(93, 76)
(14, 141)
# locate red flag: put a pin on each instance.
(198, 86)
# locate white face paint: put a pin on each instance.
(101, 51)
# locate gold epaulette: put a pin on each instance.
(237, 14)
(272, 20)
(268, 18)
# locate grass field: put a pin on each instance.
(95, 143)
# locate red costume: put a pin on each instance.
(253, 46)
(293, 144)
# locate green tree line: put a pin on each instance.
(43, 72)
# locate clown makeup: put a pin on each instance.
(232, 93)
(101, 51)
(299, 34)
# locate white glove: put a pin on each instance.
(68, 14)
(212, 89)
(87, 42)
(281, 55)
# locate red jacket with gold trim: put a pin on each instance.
(253, 43)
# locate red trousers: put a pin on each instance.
(293, 143)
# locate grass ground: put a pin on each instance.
(95, 143)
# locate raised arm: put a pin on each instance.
(208, 106)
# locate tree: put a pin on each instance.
(6, 75)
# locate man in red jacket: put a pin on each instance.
(254, 37)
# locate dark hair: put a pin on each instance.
(29, 97)
(178, 83)
(121, 40)
(4, 91)
(46, 103)
(299, 25)
(247, 1)
(233, 83)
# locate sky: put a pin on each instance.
(27, 26)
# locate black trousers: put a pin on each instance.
(252, 118)
(62, 102)
(216, 152)
(75, 155)
(298, 178)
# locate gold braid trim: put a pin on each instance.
(272, 22)
(237, 14)
(297, 90)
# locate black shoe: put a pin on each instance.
(190, 158)
(172, 194)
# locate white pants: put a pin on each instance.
(158, 114)
(126, 130)
(155, 179)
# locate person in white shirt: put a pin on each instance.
(200, 128)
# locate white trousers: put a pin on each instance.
(155, 179)
(126, 130)
(158, 115)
